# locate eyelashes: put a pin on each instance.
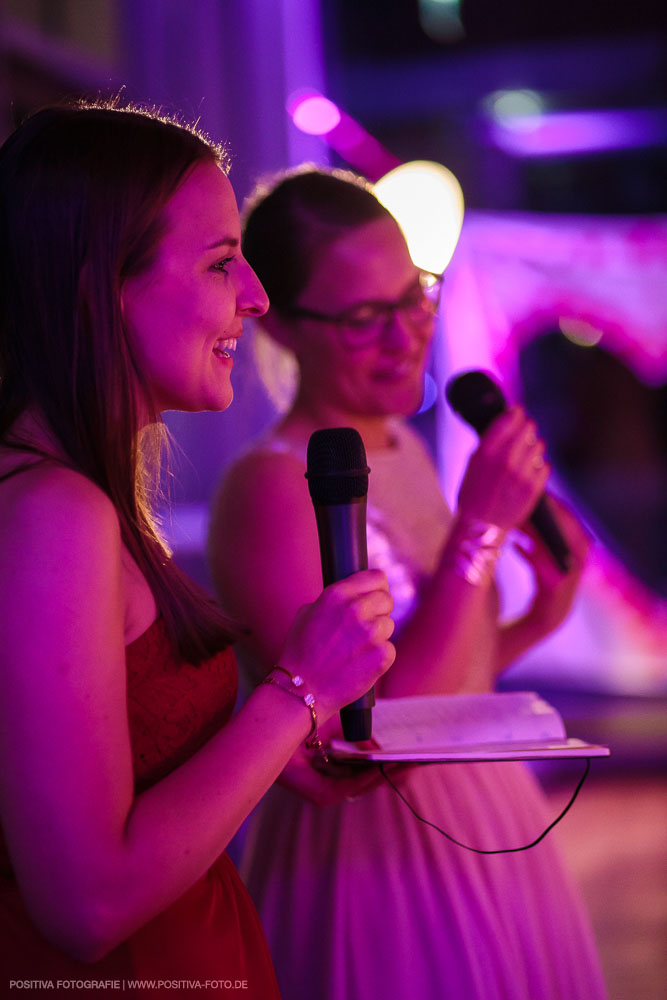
(222, 265)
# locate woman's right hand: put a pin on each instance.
(506, 474)
(340, 643)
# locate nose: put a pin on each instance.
(251, 299)
(400, 332)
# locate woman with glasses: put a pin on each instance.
(358, 898)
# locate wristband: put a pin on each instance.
(477, 553)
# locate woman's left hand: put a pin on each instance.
(555, 590)
(327, 784)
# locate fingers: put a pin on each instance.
(507, 473)
(365, 581)
(369, 604)
(514, 436)
(341, 641)
(326, 784)
(365, 609)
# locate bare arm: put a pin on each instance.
(437, 645)
(438, 649)
(94, 863)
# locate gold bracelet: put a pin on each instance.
(313, 741)
(477, 553)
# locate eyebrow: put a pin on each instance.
(228, 241)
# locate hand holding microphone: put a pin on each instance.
(508, 473)
(337, 476)
(339, 644)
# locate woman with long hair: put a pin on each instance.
(382, 905)
(123, 293)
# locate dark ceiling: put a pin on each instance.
(391, 27)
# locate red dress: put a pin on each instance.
(209, 942)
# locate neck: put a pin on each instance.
(308, 415)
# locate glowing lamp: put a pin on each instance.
(427, 202)
(580, 332)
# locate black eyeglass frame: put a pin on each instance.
(344, 319)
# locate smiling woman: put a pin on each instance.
(185, 313)
(124, 291)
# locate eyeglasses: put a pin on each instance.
(360, 325)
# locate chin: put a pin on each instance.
(206, 404)
(218, 398)
(404, 404)
(219, 405)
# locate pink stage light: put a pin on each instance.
(315, 114)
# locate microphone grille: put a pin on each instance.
(337, 472)
(476, 397)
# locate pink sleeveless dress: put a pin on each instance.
(360, 900)
(212, 933)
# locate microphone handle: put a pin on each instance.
(342, 533)
(551, 535)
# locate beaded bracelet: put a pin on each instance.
(313, 741)
(477, 553)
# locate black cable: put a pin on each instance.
(477, 850)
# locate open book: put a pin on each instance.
(514, 725)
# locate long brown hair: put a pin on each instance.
(82, 193)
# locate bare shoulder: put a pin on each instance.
(60, 547)
(263, 547)
(49, 501)
(258, 480)
(261, 466)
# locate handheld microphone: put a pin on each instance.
(478, 399)
(337, 476)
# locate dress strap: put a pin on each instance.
(22, 468)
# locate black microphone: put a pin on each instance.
(337, 476)
(476, 397)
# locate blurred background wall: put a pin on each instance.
(553, 116)
(554, 119)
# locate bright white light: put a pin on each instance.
(427, 202)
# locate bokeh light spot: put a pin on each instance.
(426, 200)
(314, 114)
(580, 332)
